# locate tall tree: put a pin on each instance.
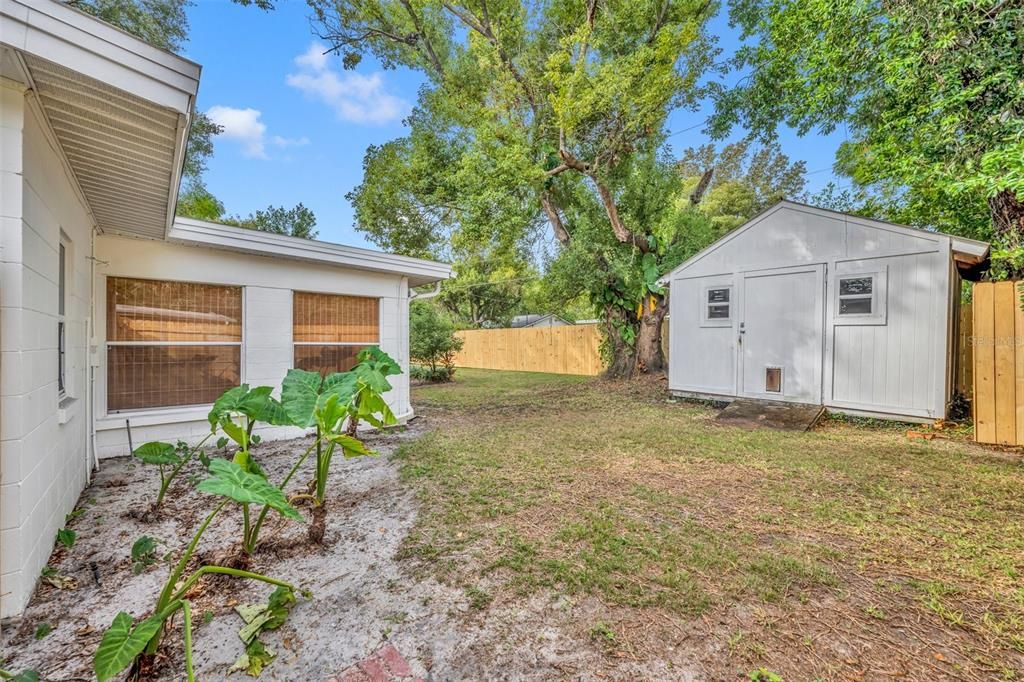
(930, 94)
(734, 183)
(297, 221)
(544, 108)
(164, 24)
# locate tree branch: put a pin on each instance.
(561, 234)
(484, 29)
(421, 37)
(702, 186)
(622, 233)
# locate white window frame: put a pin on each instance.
(63, 253)
(361, 344)
(705, 305)
(878, 297)
(107, 343)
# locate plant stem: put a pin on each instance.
(224, 570)
(266, 508)
(246, 529)
(165, 483)
(186, 609)
(179, 568)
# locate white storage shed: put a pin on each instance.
(807, 305)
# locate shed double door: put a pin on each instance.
(781, 332)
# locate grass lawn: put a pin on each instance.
(851, 552)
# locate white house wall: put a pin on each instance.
(267, 351)
(45, 458)
(893, 367)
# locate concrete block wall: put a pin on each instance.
(44, 438)
(268, 287)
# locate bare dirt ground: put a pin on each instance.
(363, 596)
(517, 531)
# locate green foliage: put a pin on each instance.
(764, 675)
(171, 461)
(432, 339)
(143, 554)
(929, 93)
(533, 117)
(422, 373)
(23, 676)
(122, 643)
(66, 537)
(42, 630)
(230, 480)
(195, 201)
(297, 221)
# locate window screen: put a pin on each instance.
(171, 343)
(718, 303)
(329, 330)
(856, 295)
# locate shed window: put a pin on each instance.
(856, 295)
(171, 343)
(718, 303)
(329, 330)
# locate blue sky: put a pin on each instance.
(297, 125)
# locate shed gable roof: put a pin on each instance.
(969, 252)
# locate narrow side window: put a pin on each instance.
(856, 295)
(718, 303)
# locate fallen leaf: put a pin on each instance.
(61, 582)
(919, 434)
(939, 657)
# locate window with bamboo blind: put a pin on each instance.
(171, 343)
(329, 330)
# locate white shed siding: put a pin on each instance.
(894, 365)
(267, 350)
(45, 444)
(703, 359)
(899, 366)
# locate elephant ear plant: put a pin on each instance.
(125, 641)
(329, 403)
(237, 412)
(170, 459)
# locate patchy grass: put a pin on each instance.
(898, 555)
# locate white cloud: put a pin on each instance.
(314, 59)
(243, 125)
(246, 127)
(353, 96)
(279, 141)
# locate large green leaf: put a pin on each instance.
(330, 412)
(230, 480)
(351, 447)
(379, 361)
(157, 453)
(223, 404)
(272, 412)
(299, 392)
(121, 643)
(257, 404)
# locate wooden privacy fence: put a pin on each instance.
(573, 349)
(997, 342)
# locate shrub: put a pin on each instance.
(432, 341)
(424, 373)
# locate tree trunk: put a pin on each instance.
(650, 358)
(1008, 217)
(621, 356)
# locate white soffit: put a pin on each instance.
(122, 149)
(118, 107)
